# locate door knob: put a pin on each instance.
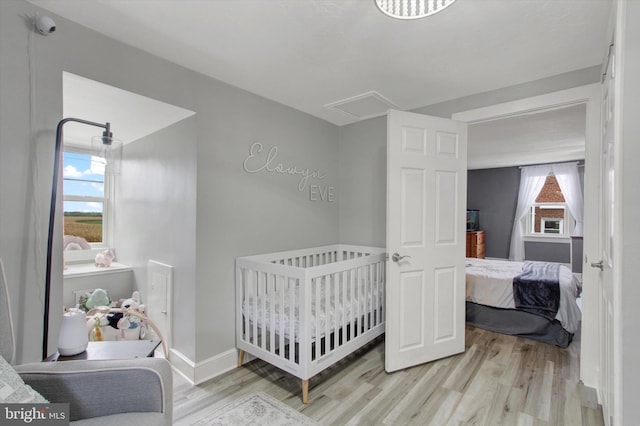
(599, 265)
(397, 258)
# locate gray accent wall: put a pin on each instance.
(494, 192)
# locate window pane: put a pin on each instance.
(83, 176)
(552, 226)
(83, 219)
(547, 219)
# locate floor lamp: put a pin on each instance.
(106, 143)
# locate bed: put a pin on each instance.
(302, 311)
(495, 303)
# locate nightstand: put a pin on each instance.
(475, 244)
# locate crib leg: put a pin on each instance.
(240, 358)
(305, 391)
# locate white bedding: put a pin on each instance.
(490, 282)
(340, 310)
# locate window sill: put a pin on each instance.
(88, 269)
(82, 256)
(560, 239)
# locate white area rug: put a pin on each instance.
(256, 409)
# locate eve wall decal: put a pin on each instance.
(257, 161)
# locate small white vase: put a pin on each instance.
(73, 337)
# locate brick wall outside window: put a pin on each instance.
(550, 193)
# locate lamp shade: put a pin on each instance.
(109, 151)
(73, 337)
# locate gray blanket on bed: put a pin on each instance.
(537, 289)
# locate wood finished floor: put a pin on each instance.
(499, 380)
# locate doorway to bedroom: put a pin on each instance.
(584, 104)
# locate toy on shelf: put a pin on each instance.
(125, 321)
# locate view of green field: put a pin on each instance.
(85, 225)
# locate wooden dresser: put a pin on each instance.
(475, 244)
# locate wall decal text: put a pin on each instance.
(259, 161)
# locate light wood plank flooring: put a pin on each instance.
(499, 380)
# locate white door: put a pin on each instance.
(606, 264)
(426, 214)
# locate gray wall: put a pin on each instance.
(363, 183)
(547, 252)
(156, 216)
(26, 143)
(236, 213)
(495, 193)
(628, 352)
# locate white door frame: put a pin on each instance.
(588, 95)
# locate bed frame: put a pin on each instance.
(345, 279)
(490, 285)
(518, 323)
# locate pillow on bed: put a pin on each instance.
(13, 389)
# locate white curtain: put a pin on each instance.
(532, 180)
(569, 182)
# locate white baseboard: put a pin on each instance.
(182, 364)
(202, 371)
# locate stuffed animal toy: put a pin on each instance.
(104, 258)
(98, 298)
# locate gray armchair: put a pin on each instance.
(136, 391)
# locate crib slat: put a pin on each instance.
(280, 329)
(241, 283)
(327, 314)
(352, 283)
(377, 295)
(358, 310)
(316, 326)
(262, 291)
(372, 296)
(381, 279)
(343, 324)
(271, 289)
(336, 305)
(292, 319)
(254, 308)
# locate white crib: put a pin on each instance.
(337, 293)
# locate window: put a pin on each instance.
(545, 188)
(86, 202)
(549, 214)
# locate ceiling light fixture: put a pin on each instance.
(412, 9)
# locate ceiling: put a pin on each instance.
(131, 116)
(312, 54)
(542, 137)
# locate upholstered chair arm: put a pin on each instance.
(95, 389)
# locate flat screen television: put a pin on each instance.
(473, 220)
